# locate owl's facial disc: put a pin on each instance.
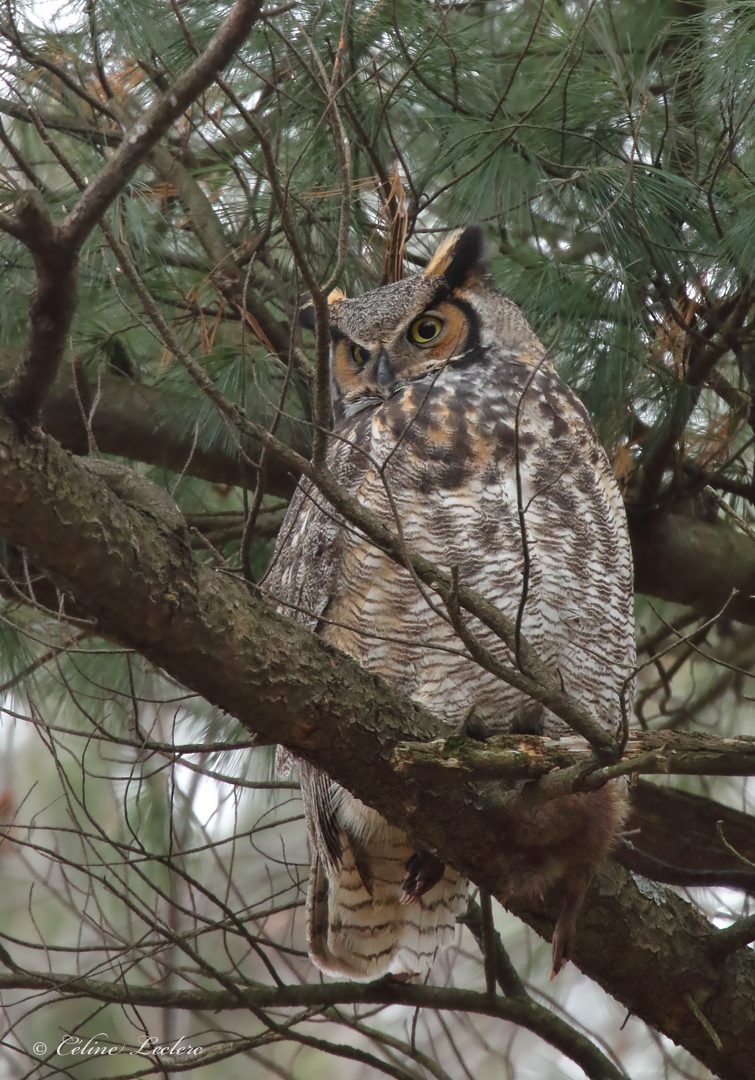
(366, 373)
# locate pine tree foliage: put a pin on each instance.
(608, 148)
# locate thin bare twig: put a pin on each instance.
(143, 135)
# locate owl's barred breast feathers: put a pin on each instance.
(451, 418)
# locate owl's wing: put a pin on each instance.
(305, 570)
(302, 573)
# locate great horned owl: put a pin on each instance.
(452, 425)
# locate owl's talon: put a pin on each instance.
(423, 871)
(476, 729)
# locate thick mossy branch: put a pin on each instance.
(569, 767)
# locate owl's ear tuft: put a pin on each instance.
(307, 309)
(458, 257)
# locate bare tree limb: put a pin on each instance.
(694, 562)
(683, 828)
(51, 310)
(521, 1009)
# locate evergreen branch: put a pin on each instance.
(321, 383)
(55, 249)
(705, 351)
(25, 167)
(9, 30)
(90, 133)
(224, 271)
(742, 488)
(13, 227)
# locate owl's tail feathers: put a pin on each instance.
(363, 934)
(349, 934)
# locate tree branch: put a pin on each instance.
(153, 424)
(721, 335)
(682, 828)
(694, 562)
(144, 135)
(90, 133)
(676, 558)
(570, 767)
(521, 1010)
(209, 232)
(50, 312)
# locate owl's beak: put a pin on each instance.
(385, 376)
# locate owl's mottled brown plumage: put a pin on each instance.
(440, 386)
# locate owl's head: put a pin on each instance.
(415, 329)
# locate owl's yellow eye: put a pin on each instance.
(359, 355)
(425, 329)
